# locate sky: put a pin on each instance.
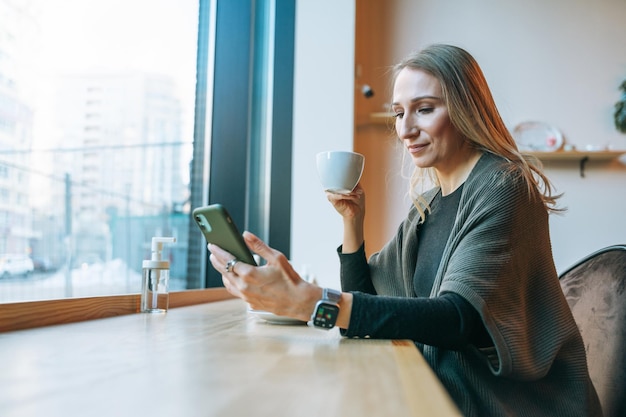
(156, 36)
(77, 36)
(151, 35)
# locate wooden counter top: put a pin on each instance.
(211, 359)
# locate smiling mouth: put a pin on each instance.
(417, 148)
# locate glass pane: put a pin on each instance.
(96, 130)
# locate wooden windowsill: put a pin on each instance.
(30, 314)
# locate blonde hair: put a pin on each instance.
(474, 114)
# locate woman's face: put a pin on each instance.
(423, 122)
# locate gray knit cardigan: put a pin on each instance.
(499, 258)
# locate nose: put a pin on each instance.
(406, 127)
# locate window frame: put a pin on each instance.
(244, 109)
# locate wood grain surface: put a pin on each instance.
(213, 359)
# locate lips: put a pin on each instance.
(415, 148)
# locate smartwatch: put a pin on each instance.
(326, 310)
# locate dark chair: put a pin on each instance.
(595, 290)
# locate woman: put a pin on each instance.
(469, 275)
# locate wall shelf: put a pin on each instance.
(581, 156)
(383, 118)
(578, 155)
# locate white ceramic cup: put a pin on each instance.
(339, 171)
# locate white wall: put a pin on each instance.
(323, 120)
(558, 61)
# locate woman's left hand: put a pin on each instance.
(274, 287)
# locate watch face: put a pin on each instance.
(326, 315)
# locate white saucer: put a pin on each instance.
(273, 318)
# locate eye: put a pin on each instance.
(425, 110)
(398, 112)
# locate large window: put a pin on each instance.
(117, 117)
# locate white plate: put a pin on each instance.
(273, 318)
(537, 136)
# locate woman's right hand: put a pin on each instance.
(352, 209)
(350, 206)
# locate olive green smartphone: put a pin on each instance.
(219, 229)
